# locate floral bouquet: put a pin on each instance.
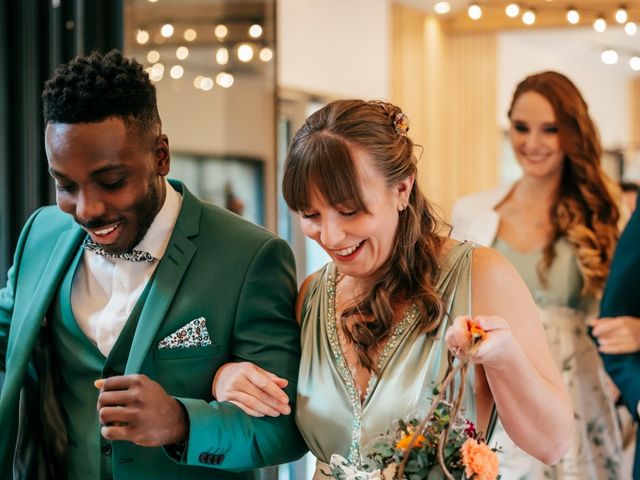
(443, 445)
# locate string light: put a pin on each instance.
(529, 17)
(631, 29)
(442, 7)
(190, 34)
(573, 17)
(634, 63)
(621, 15)
(153, 56)
(182, 53)
(167, 30)
(255, 31)
(222, 56)
(474, 11)
(512, 10)
(609, 57)
(176, 72)
(221, 31)
(600, 25)
(142, 37)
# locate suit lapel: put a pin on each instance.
(30, 320)
(167, 279)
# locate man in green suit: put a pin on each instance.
(125, 299)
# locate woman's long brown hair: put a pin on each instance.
(584, 211)
(320, 160)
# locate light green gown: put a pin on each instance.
(329, 413)
(595, 451)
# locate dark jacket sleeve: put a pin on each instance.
(622, 297)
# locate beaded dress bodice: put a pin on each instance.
(331, 415)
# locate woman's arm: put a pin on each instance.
(251, 388)
(532, 402)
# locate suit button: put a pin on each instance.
(106, 449)
(203, 457)
(219, 459)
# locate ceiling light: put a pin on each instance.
(631, 29)
(225, 80)
(153, 56)
(142, 37)
(221, 31)
(621, 14)
(222, 56)
(167, 30)
(573, 17)
(206, 83)
(245, 52)
(474, 11)
(182, 53)
(512, 10)
(529, 17)
(442, 7)
(609, 57)
(156, 73)
(190, 34)
(266, 54)
(255, 31)
(176, 72)
(600, 25)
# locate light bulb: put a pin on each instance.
(221, 31)
(142, 37)
(153, 56)
(634, 63)
(176, 72)
(573, 17)
(182, 53)
(190, 34)
(245, 52)
(167, 30)
(512, 10)
(529, 17)
(600, 25)
(474, 11)
(255, 31)
(621, 15)
(631, 29)
(609, 57)
(442, 7)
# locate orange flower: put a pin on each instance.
(478, 459)
(404, 442)
(476, 331)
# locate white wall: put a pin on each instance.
(338, 48)
(573, 53)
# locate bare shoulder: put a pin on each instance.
(489, 264)
(496, 285)
(300, 298)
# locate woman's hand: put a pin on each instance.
(617, 335)
(252, 389)
(485, 339)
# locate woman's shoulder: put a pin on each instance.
(484, 200)
(309, 287)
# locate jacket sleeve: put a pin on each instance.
(266, 334)
(622, 297)
(8, 294)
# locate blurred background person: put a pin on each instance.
(558, 225)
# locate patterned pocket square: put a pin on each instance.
(193, 334)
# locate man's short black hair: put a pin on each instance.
(97, 87)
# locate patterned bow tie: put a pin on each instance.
(132, 256)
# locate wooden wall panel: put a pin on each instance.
(446, 83)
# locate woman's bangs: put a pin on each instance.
(326, 170)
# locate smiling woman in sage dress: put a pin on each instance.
(378, 321)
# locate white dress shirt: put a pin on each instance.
(105, 290)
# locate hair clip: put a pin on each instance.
(401, 123)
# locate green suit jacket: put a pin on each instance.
(237, 276)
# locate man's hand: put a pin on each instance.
(617, 335)
(137, 409)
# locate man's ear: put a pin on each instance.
(162, 154)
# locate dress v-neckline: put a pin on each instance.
(348, 380)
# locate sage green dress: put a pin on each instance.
(329, 413)
(595, 452)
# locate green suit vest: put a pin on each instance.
(88, 454)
